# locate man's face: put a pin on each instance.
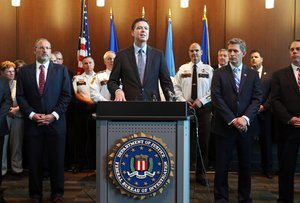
(235, 54)
(88, 65)
(9, 73)
(53, 58)
(195, 53)
(256, 60)
(295, 53)
(42, 51)
(109, 61)
(140, 32)
(59, 58)
(223, 58)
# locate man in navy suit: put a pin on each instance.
(5, 103)
(236, 95)
(285, 95)
(43, 94)
(139, 68)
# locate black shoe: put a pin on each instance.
(2, 200)
(268, 174)
(202, 180)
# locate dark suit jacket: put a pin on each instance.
(5, 102)
(56, 97)
(266, 81)
(286, 100)
(229, 104)
(125, 68)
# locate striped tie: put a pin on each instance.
(298, 79)
(236, 78)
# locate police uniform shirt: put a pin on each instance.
(81, 84)
(183, 82)
(99, 91)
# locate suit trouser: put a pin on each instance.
(16, 129)
(38, 139)
(287, 153)
(1, 151)
(224, 150)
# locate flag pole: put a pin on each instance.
(143, 12)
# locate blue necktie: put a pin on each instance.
(141, 65)
(236, 78)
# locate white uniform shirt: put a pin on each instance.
(82, 83)
(99, 91)
(183, 82)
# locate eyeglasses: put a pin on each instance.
(45, 48)
(296, 48)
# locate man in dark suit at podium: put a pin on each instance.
(285, 95)
(43, 94)
(139, 68)
(236, 95)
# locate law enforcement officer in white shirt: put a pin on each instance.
(84, 124)
(99, 91)
(200, 101)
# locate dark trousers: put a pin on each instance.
(265, 122)
(225, 146)
(55, 142)
(287, 153)
(204, 125)
(1, 153)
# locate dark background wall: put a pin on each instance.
(59, 21)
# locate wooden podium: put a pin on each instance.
(167, 121)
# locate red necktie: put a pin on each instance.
(41, 80)
(298, 78)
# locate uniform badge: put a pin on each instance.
(141, 165)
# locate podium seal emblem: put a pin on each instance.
(141, 165)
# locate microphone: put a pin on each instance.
(172, 97)
(153, 96)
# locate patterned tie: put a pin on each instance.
(236, 78)
(194, 94)
(298, 79)
(42, 79)
(141, 65)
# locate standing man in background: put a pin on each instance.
(5, 102)
(236, 95)
(85, 125)
(222, 61)
(264, 114)
(192, 84)
(139, 68)
(43, 94)
(286, 105)
(99, 91)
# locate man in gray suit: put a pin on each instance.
(138, 68)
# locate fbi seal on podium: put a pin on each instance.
(141, 165)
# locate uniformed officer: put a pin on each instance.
(192, 84)
(99, 91)
(85, 125)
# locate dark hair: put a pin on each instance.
(136, 21)
(295, 40)
(256, 51)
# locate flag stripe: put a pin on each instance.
(169, 50)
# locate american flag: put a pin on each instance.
(84, 38)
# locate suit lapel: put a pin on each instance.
(149, 59)
(291, 77)
(51, 71)
(244, 75)
(230, 77)
(133, 63)
(33, 78)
